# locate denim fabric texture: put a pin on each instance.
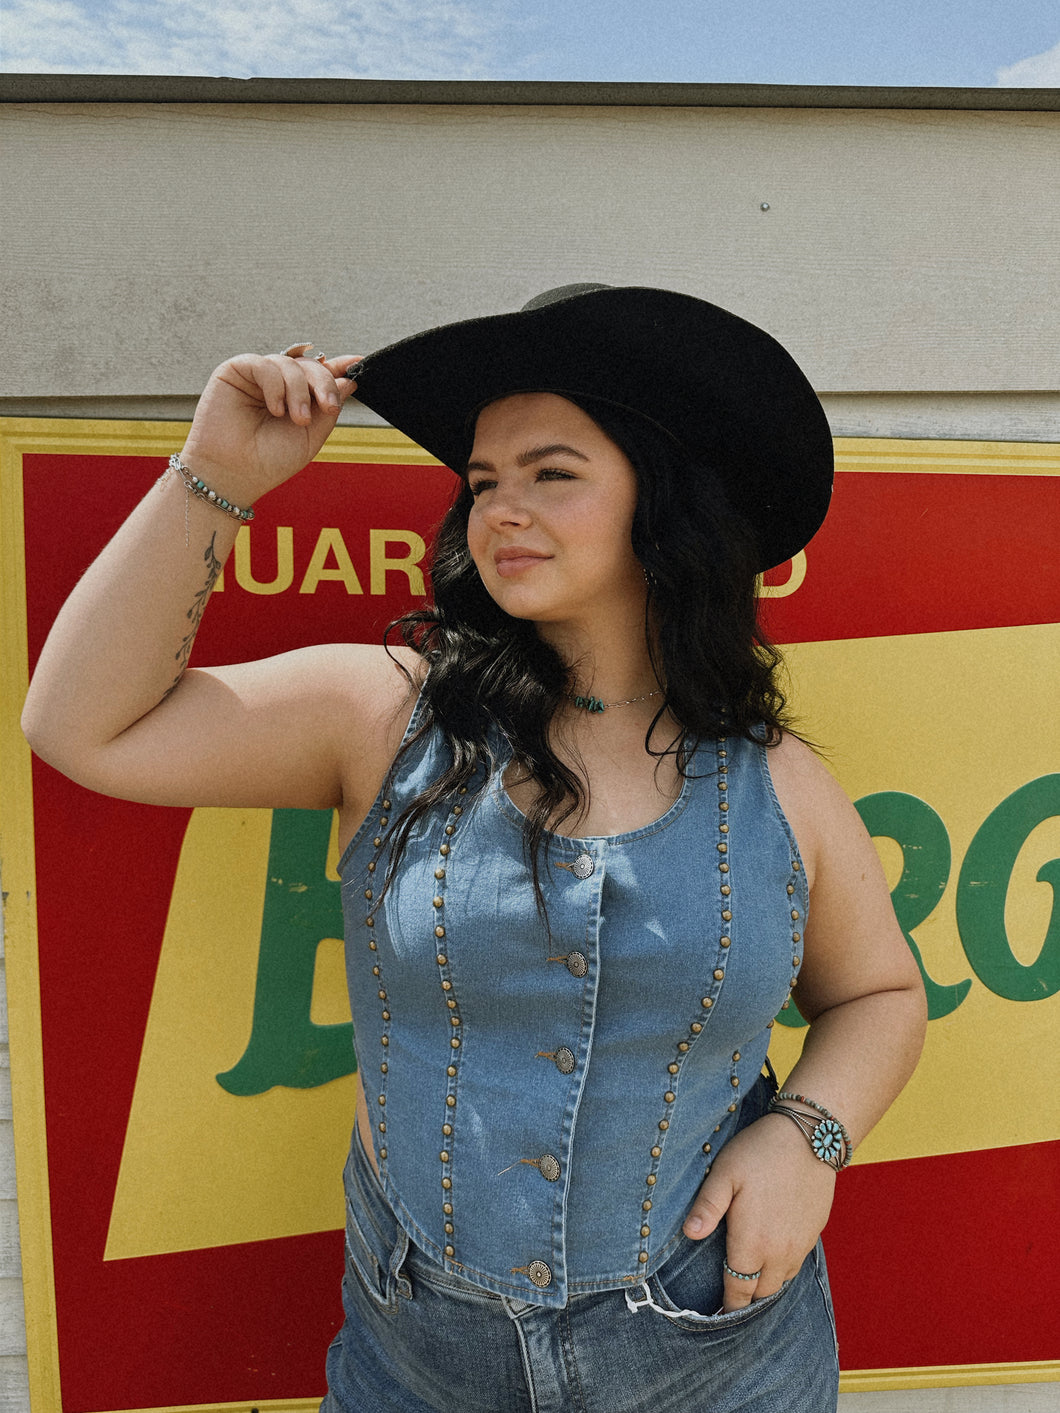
(546, 1102)
(418, 1339)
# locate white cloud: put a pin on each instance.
(420, 39)
(1039, 71)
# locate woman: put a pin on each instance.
(584, 864)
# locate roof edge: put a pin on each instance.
(170, 88)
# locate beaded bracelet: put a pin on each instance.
(828, 1138)
(202, 491)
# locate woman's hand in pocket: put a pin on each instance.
(775, 1197)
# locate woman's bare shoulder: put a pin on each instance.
(818, 809)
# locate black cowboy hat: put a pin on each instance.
(725, 389)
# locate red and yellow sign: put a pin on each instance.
(180, 1037)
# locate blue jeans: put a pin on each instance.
(418, 1340)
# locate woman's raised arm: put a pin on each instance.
(111, 703)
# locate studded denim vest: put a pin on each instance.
(545, 1108)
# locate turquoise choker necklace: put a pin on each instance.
(594, 704)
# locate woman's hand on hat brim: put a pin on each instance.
(262, 418)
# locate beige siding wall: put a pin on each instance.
(902, 252)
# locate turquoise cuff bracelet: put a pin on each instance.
(827, 1137)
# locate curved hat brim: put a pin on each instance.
(725, 389)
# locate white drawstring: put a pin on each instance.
(649, 1304)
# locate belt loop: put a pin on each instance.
(633, 1306)
(396, 1277)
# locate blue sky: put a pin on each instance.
(979, 43)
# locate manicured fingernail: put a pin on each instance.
(693, 1226)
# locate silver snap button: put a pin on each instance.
(583, 866)
(565, 1061)
(539, 1273)
(576, 964)
(549, 1166)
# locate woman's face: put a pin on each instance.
(550, 526)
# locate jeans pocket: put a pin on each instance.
(688, 1289)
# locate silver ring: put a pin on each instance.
(740, 1275)
(301, 350)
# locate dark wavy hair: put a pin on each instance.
(492, 680)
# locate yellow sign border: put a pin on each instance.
(21, 435)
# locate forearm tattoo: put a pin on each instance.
(195, 613)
